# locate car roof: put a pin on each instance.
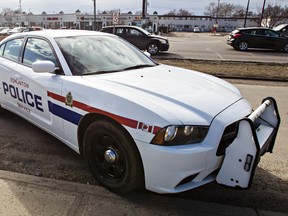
(57, 33)
(255, 28)
(124, 26)
(116, 26)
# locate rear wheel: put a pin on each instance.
(113, 156)
(242, 46)
(153, 48)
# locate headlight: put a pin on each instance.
(180, 135)
(162, 41)
(170, 133)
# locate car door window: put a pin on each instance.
(120, 31)
(12, 49)
(271, 34)
(37, 49)
(253, 32)
(136, 33)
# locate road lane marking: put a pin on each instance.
(208, 49)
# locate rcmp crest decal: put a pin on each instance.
(69, 100)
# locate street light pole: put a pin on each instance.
(20, 5)
(94, 23)
(217, 11)
(144, 9)
(247, 10)
(263, 8)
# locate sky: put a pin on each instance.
(197, 7)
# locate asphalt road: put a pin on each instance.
(213, 47)
(27, 149)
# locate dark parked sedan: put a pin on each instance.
(244, 38)
(139, 38)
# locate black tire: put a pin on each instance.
(121, 170)
(242, 46)
(285, 48)
(153, 48)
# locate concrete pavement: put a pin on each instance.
(30, 195)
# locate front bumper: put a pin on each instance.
(256, 136)
(164, 47)
(173, 169)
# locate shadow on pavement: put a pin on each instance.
(29, 150)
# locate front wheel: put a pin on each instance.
(242, 46)
(112, 156)
(153, 48)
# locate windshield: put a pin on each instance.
(145, 32)
(101, 54)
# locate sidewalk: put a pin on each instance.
(29, 195)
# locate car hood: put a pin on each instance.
(179, 95)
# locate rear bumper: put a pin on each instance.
(256, 135)
(231, 42)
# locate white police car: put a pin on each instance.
(135, 122)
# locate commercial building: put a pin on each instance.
(153, 23)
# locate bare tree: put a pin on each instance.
(171, 13)
(8, 14)
(275, 14)
(239, 11)
(224, 10)
(181, 12)
(211, 9)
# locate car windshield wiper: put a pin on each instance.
(101, 72)
(113, 71)
(138, 66)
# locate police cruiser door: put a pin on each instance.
(25, 91)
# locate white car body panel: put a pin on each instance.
(142, 87)
(143, 101)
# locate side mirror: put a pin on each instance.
(43, 66)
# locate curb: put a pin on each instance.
(31, 195)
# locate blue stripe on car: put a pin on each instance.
(64, 113)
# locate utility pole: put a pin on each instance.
(20, 6)
(144, 9)
(144, 12)
(262, 14)
(217, 11)
(247, 10)
(94, 22)
(216, 25)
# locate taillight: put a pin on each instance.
(237, 35)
